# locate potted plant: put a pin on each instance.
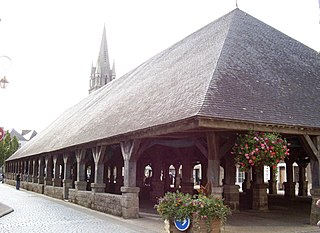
(256, 149)
(206, 213)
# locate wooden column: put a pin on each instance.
(56, 180)
(230, 190)
(81, 183)
(273, 180)
(41, 171)
(49, 169)
(98, 155)
(213, 173)
(67, 181)
(289, 186)
(157, 184)
(303, 183)
(130, 193)
(34, 171)
(312, 147)
(187, 176)
(119, 178)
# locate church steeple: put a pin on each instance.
(101, 74)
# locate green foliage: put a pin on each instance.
(259, 149)
(179, 206)
(175, 206)
(8, 146)
(210, 208)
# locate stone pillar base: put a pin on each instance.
(259, 197)
(187, 187)
(67, 184)
(56, 182)
(40, 180)
(315, 210)
(231, 196)
(217, 192)
(303, 188)
(98, 187)
(34, 179)
(290, 190)
(157, 190)
(48, 181)
(80, 185)
(130, 202)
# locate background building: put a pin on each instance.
(101, 74)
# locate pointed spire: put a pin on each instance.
(103, 60)
(101, 74)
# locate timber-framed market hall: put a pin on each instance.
(179, 110)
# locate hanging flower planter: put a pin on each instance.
(258, 149)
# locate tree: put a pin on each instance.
(7, 147)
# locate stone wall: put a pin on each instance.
(115, 204)
(103, 202)
(55, 192)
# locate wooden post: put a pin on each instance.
(48, 164)
(98, 153)
(41, 171)
(213, 172)
(130, 193)
(81, 182)
(56, 180)
(312, 147)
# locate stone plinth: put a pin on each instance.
(67, 184)
(80, 185)
(98, 187)
(231, 196)
(34, 179)
(315, 211)
(217, 192)
(56, 182)
(130, 202)
(259, 197)
(40, 180)
(48, 181)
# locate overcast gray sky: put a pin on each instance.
(52, 44)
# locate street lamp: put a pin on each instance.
(3, 70)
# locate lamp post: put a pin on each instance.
(3, 69)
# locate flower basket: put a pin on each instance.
(259, 149)
(205, 212)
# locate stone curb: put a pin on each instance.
(4, 210)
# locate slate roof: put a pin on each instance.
(235, 68)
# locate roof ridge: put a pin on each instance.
(223, 45)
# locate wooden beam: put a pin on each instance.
(203, 149)
(245, 125)
(312, 146)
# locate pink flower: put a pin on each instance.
(318, 203)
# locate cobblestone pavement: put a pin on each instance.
(38, 213)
